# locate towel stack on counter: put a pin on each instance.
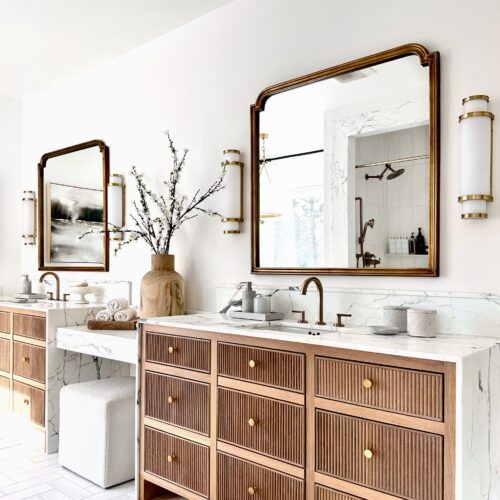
(117, 310)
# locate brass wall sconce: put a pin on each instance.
(116, 207)
(232, 208)
(476, 157)
(29, 217)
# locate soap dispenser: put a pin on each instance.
(247, 297)
(25, 284)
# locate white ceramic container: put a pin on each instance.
(396, 316)
(422, 322)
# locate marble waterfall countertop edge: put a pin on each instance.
(48, 305)
(118, 345)
(448, 348)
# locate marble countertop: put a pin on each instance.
(119, 345)
(47, 305)
(450, 348)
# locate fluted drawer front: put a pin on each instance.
(178, 401)
(322, 493)
(29, 402)
(5, 355)
(241, 480)
(410, 392)
(177, 460)
(394, 460)
(182, 352)
(4, 322)
(29, 361)
(29, 326)
(261, 424)
(265, 366)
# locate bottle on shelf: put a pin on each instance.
(412, 244)
(420, 247)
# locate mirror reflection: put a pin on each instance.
(344, 171)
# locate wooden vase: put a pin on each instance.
(162, 289)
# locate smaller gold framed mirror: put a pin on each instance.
(72, 208)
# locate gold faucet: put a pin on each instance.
(319, 286)
(58, 285)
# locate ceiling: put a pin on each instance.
(42, 41)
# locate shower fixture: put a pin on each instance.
(368, 259)
(392, 175)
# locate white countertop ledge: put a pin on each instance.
(448, 348)
(118, 345)
(47, 305)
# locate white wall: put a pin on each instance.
(199, 82)
(10, 194)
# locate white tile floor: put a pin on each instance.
(31, 474)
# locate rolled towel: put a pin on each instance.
(104, 315)
(128, 314)
(115, 305)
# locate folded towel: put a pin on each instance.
(104, 315)
(127, 314)
(115, 305)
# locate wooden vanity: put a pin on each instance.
(234, 417)
(22, 364)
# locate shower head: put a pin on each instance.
(395, 173)
(371, 223)
(392, 175)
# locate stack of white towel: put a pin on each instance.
(117, 310)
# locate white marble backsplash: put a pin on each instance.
(457, 312)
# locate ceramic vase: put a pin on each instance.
(162, 288)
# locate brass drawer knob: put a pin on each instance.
(251, 491)
(171, 399)
(26, 359)
(171, 458)
(368, 454)
(367, 383)
(252, 363)
(252, 422)
(171, 350)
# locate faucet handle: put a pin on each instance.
(50, 295)
(339, 323)
(65, 297)
(302, 315)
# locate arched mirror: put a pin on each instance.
(345, 169)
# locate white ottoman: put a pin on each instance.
(96, 432)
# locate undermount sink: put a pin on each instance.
(301, 329)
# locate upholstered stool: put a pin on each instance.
(96, 432)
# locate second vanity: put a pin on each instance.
(230, 411)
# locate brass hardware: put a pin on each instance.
(232, 219)
(474, 97)
(251, 491)
(235, 163)
(367, 383)
(26, 401)
(477, 197)
(65, 297)
(58, 284)
(302, 316)
(474, 215)
(26, 359)
(252, 422)
(50, 295)
(232, 231)
(472, 114)
(171, 458)
(339, 323)
(399, 160)
(237, 151)
(171, 399)
(171, 350)
(368, 454)
(252, 363)
(319, 286)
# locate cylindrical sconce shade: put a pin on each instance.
(232, 204)
(476, 157)
(115, 207)
(29, 217)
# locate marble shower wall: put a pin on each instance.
(458, 313)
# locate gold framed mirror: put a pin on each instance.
(345, 169)
(72, 202)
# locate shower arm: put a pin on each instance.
(381, 175)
